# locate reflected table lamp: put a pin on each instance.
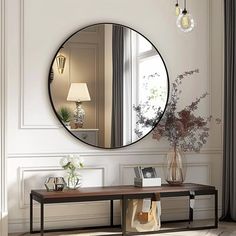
(79, 93)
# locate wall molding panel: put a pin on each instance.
(216, 40)
(159, 167)
(23, 123)
(54, 171)
(99, 152)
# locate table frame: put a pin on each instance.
(124, 198)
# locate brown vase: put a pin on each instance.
(175, 168)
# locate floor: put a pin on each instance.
(225, 229)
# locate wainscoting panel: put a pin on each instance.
(23, 179)
(176, 208)
(34, 177)
(117, 170)
(199, 172)
(31, 77)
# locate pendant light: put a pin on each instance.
(185, 21)
(177, 8)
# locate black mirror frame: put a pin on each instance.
(50, 79)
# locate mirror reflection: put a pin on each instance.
(108, 85)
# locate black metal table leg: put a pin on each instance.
(31, 213)
(111, 213)
(216, 208)
(124, 206)
(191, 205)
(42, 219)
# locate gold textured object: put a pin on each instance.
(61, 61)
(55, 184)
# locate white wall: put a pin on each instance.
(36, 142)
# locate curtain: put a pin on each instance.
(117, 86)
(229, 166)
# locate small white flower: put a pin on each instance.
(75, 162)
(70, 158)
(63, 161)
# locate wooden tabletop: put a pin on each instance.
(119, 190)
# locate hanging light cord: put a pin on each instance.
(185, 7)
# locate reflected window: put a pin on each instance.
(143, 44)
(143, 67)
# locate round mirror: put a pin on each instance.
(108, 85)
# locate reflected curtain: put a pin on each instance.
(229, 167)
(117, 86)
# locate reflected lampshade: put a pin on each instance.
(78, 92)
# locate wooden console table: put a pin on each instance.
(121, 193)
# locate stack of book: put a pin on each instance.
(146, 177)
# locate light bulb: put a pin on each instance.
(177, 9)
(185, 22)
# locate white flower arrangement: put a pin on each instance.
(71, 162)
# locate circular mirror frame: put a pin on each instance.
(50, 74)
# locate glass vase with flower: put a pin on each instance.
(71, 164)
(175, 166)
(185, 131)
